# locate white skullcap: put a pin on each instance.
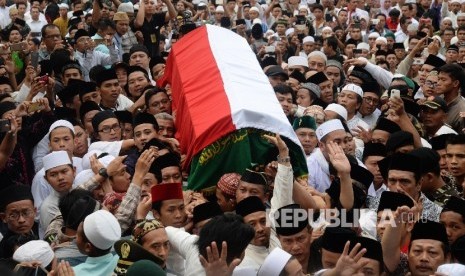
(327, 28)
(244, 271)
(61, 123)
(289, 31)
(455, 1)
(328, 127)
(102, 229)
(55, 159)
(136, 7)
(447, 18)
(366, 18)
(412, 28)
(363, 46)
(219, 9)
(254, 9)
(353, 88)
(308, 39)
(297, 61)
(127, 7)
(374, 34)
(382, 39)
(339, 109)
(83, 177)
(63, 6)
(256, 21)
(318, 54)
(36, 250)
(437, 37)
(303, 7)
(454, 40)
(452, 269)
(274, 263)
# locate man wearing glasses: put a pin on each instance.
(18, 212)
(51, 36)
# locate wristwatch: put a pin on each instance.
(286, 159)
(103, 172)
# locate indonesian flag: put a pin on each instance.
(218, 88)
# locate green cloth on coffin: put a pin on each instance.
(237, 151)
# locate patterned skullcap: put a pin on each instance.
(144, 227)
(228, 183)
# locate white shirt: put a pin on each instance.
(27, 17)
(36, 26)
(4, 17)
(370, 119)
(318, 171)
(254, 256)
(91, 59)
(48, 210)
(374, 193)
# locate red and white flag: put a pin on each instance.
(219, 87)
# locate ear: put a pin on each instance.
(456, 83)
(156, 214)
(88, 248)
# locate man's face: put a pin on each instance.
(456, 159)
(275, 80)
(316, 63)
(452, 56)
(348, 100)
(262, 232)
(309, 47)
(71, 73)
(139, 58)
(423, 73)
(460, 21)
(109, 130)
(19, 216)
(171, 174)
(447, 36)
(446, 83)
(356, 34)
(166, 128)
(343, 16)
(61, 178)
(369, 103)
(109, 90)
(432, 119)
(371, 162)
(403, 182)
(122, 26)
(226, 203)
(461, 35)
(142, 134)
(425, 256)
(159, 103)
(88, 121)
(455, 226)
(379, 136)
(172, 213)
(286, 102)
(336, 136)
(303, 97)
(157, 243)
(349, 50)
(298, 245)
(81, 145)
(326, 88)
(246, 189)
(307, 138)
(92, 96)
(61, 138)
(334, 74)
(329, 259)
(35, 13)
(136, 83)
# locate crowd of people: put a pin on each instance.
(94, 182)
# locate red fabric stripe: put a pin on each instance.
(203, 113)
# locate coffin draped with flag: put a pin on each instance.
(223, 105)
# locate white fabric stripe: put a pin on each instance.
(251, 97)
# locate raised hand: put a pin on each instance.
(338, 158)
(215, 264)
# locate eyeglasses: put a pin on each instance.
(108, 129)
(56, 36)
(370, 100)
(431, 84)
(24, 213)
(162, 102)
